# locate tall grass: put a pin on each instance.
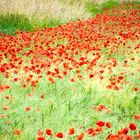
(38, 13)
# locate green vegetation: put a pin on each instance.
(95, 8)
(10, 23)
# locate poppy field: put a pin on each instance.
(77, 81)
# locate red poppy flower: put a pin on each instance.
(5, 108)
(7, 122)
(132, 126)
(112, 137)
(108, 125)
(136, 89)
(17, 132)
(59, 135)
(42, 96)
(120, 77)
(51, 80)
(40, 132)
(49, 132)
(116, 88)
(101, 71)
(123, 131)
(91, 131)
(7, 86)
(137, 117)
(15, 79)
(91, 75)
(99, 129)
(71, 131)
(40, 138)
(28, 108)
(138, 136)
(7, 97)
(81, 136)
(72, 80)
(100, 123)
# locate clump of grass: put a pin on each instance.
(95, 8)
(9, 23)
(110, 4)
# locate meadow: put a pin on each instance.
(71, 80)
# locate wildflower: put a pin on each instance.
(7, 97)
(40, 132)
(51, 80)
(42, 96)
(81, 136)
(108, 125)
(7, 86)
(132, 126)
(99, 129)
(71, 131)
(59, 135)
(3, 116)
(136, 89)
(91, 75)
(101, 71)
(72, 80)
(7, 122)
(91, 131)
(138, 136)
(100, 123)
(17, 132)
(137, 117)
(40, 138)
(27, 108)
(5, 108)
(123, 131)
(49, 132)
(120, 77)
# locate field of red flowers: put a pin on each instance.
(77, 81)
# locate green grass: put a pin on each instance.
(10, 23)
(95, 8)
(70, 107)
(62, 108)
